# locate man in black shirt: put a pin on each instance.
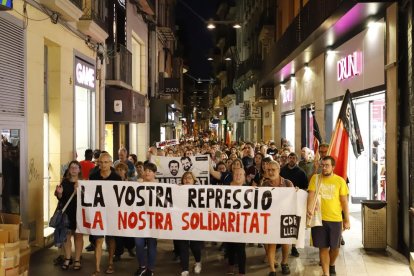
(248, 155)
(104, 173)
(272, 150)
(295, 174)
(298, 177)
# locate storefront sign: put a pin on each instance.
(287, 96)
(171, 86)
(6, 4)
(349, 66)
(84, 74)
(357, 64)
(192, 212)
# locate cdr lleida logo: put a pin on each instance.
(289, 226)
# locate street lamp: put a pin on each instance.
(211, 24)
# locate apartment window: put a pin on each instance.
(137, 49)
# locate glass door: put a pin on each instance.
(10, 169)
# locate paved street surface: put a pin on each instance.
(353, 260)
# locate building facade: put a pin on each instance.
(311, 53)
(127, 75)
(53, 114)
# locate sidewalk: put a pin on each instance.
(353, 260)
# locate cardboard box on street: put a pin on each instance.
(11, 224)
(9, 249)
(24, 260)
(9, 262)
(9, 218)
(4, 236)
(13, 231)
(13, 271)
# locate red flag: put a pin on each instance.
(347, 128)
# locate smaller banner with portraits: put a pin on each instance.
(192, 212)
(170, 169)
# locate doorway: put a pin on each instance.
(366, 173)
(11, 169)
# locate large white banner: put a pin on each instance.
(192, 212)
(170, 169)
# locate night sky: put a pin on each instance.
(196, 39)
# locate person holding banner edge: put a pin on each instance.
(275, 180)
(63, 193)
(188, 178)
(104, 173)
(334, 192)
(298, 177)
(146, 268)
(235, 248)
(123, 242)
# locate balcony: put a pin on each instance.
(69, 10)
(165, 21)
(248, 67)
(147, 6)
(119, 69)
(93, 21)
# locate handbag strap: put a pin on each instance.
(67, 203)
(318, 185)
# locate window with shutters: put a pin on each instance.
(12, 64)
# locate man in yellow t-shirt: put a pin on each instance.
(333, 191)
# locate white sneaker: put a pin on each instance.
(197, 268)
(185, 273)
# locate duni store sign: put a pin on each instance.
(349, 66)
(84, 74)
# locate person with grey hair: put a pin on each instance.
(123, 157)
(275, 180)
(306, 163)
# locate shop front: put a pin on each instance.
(165, 120)
(358, 65)
(85, 102)
(287, 111)
(13, 146)
(355, 49)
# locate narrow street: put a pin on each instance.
(357, 261)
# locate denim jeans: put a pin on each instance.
(151, 252)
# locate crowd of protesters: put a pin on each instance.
(239, 164)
